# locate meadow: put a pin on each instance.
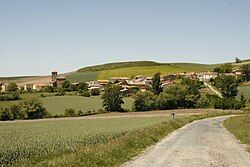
(53, 137)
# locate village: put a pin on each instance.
(128, 85)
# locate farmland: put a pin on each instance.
(25, 139)
(58, 104)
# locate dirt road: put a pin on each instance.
(204, 143)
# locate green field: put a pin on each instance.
(58, 104)
(240, 127)
(151, 70)
(83, 76)
(50, 138)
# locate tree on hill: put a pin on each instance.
(245, 68)
(156, 84)
(112, 101)
(237, 60)
(12, 87)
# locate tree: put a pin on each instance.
(225, 68)
(66, 85)
(48, 89)
(12, 87)
(193, 86)
(144, 101)
(17, 112)
(112, 101)
(6, 114)
(70, 112)
(95, 92)
(228, 86)
(156, 84)
(245, 68)
(33, 109)
(82, 86)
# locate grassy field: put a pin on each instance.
(245, 90)
(83, 76)
(240, 127)
(49, 138)
(84, 142)
(58, 104)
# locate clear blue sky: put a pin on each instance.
(37, 36)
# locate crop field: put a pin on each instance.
(49, 138)
(151, 70)
(58, 104)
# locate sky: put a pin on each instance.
(38, 36)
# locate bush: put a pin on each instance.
(205, 102)
(95, 92)
(84, 93)
(228, 103)
(70, 112)
(60, 92)
(10, 97)
(144, 101)
(33, 109)
(49, 89)
(6, 114)
(12, 87)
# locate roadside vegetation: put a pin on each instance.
(240, 127)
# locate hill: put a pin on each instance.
(133, 68)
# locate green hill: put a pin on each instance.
(133, 68)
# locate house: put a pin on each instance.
(28, 87)
(237, 72)
(39, 87)
(118, 79)
(4, 87)
(207, 75)
(103, 82)
(169, 78)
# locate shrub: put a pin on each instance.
(6, 114)
(49, 89)
(144, 101)
(33, 109)
(95, 92)
(12, 87)
(70, 112)
(228, 103)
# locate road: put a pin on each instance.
(212, 89)
(204, 143)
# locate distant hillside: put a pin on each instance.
(123, 69)
(116, 65)
(133, 68)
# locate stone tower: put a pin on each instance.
(53, 76)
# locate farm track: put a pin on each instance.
(202, 143)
